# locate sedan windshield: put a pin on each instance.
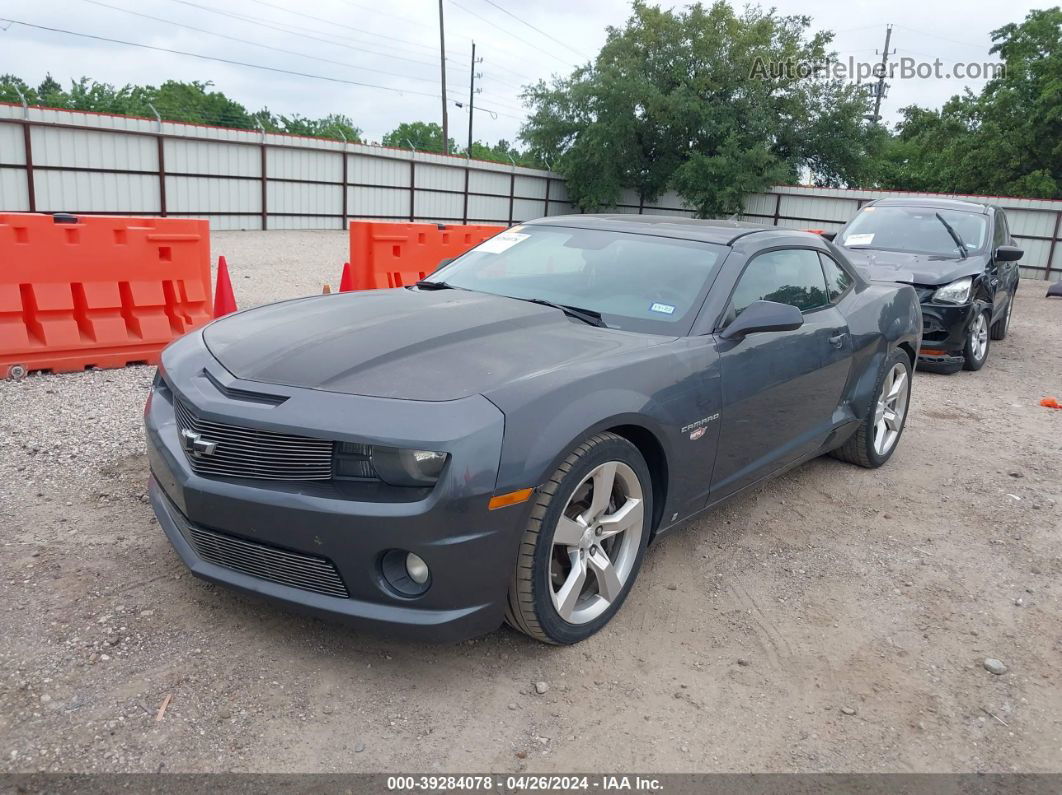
(630, 281)
(918, 230)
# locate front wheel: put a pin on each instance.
(1002, 326)
(584, 543)
(875, 440)
(975, 352)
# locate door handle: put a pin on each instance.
(838, 340)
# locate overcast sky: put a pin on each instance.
(395, 44)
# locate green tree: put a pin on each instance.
(423, 136)
(194, 102)
(331, 126)
(1007, 140)
(502, 152)
(705, 101)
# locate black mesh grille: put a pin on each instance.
(265, 562)
(243, 452)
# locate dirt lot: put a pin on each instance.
(834, 620)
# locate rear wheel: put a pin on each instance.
(584, 543)
(1002, 326)
(975, 353)
(875, 440)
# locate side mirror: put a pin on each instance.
(828, 235)
(763, 316)
(1009, 254)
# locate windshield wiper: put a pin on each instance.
(426, 285)
(954, 235)
(586, 315)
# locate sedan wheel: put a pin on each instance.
(877, 435)
(596, 543)
(1002, 326)
(584, 542)
(891, 410)
(976, 350)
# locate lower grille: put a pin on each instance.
(242, 452)
(306, 572)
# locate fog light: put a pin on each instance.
(406, 573)
(416, 568)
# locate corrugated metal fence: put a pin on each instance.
(90, 163)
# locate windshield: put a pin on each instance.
(915, 229)
(635, 282)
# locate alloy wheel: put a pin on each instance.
(891, 409)
(979, 337)
(596, 542)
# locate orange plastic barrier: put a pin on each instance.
(95, 291)
(397, 255)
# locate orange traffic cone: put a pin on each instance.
(224, 299)
(346, 282)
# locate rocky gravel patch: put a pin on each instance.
(832, 620)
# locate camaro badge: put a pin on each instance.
(196, 445)
(696, 429)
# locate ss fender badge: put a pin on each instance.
(697, 429)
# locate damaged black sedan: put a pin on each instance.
(502, 441)
(960, 258)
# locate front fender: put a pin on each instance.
(531, 451)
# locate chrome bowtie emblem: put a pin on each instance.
(195, 445)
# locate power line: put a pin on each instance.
(290, 31)
(233, 62)
(257, 44)
(985, 46)
(509, 34)
(339, 24)
(406, 20)
(528, 24)
(294, 30)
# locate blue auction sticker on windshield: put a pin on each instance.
(664, 309)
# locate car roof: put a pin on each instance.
(941, 204)
(674, 226)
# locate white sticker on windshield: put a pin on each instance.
(666, 309)
(859, 240)
(502, 242)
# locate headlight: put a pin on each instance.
(958, 292)
(407, 467)
(390, 464)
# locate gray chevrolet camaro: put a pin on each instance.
(503, 440)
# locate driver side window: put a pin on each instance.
(787, 276)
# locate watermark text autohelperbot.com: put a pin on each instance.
(903, 68)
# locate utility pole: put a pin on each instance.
(472, 90)
(879, 89)
(442, 62)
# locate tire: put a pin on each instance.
(978, 341)
(548, 567)
(1002, 326)
(862, 447)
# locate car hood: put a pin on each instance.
(410, 344)
(898, 266)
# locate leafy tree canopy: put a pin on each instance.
(687, 100)
(1007, 140)
(420, 135)
(193, 102)
(427, 137)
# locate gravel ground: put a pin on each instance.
(833, 620)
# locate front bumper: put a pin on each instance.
(945, 328)
(470, 551)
